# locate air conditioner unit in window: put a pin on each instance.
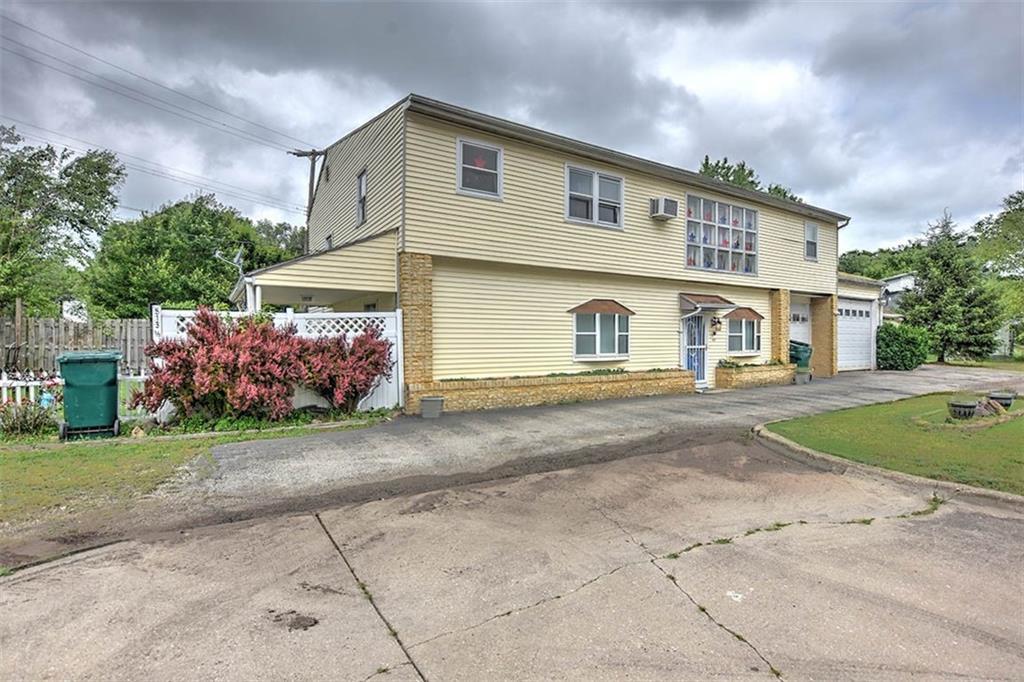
(664, 208)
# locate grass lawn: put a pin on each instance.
(909, 436)
(35, 477)
(1014, 364)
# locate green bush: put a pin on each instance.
(27, 419)
(902, 346)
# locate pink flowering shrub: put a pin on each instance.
(342, 373)
(223, 368)
(250, 368)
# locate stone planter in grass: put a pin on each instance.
(962, 408)
(1004, 398)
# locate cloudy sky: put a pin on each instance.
(889, 112)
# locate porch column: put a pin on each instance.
(824, 337)
(779, 300)
(416, 298)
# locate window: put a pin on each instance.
(361, 198)
(810, 241)
(601, 336)
(329, 241)
(720, 236)
(593, 197)
(744, 336)
(479, 168)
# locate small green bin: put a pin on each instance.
(800, 353)
(90, 393)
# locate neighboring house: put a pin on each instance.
(897, 285)
(520, 257)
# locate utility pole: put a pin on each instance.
(312, 154)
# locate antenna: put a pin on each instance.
(235, 262)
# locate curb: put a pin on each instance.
(826, 462)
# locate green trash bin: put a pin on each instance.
(90, 393)
(800, 353)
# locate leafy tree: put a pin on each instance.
(742, 175)
(54, 206)
(1000, 242)
(951, 300)
(290, 238)
(881, 263)
(169, 256)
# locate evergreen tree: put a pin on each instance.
(950, 298)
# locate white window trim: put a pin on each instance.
(459, 189)
(756, 253)
(595, 188)
(362, 189)
(816, 241)
(607, 357)
(745, 352)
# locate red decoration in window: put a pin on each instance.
(480, 161)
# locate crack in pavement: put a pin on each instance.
(654, 562)
(384, 671)
(520, 609)
(369, 598)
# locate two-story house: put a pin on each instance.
(534, 268)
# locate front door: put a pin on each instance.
(695, 348)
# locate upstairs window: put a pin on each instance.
(593, 197)
(720, 236)
(329, 241)
(479, 169)
(361, 198)
(810, 241)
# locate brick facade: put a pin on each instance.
(756, 375)
(824, 336)
(416, 297)
(779, 302)
(483, 394)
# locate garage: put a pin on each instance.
(856, 330)
(800, 321)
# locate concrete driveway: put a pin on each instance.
(723, 560)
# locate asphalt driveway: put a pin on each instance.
(415, 455)
(719, 560)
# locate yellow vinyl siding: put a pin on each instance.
(365, 266)
(528, 225)
(862, 291)
(377, 148)
(497, 320)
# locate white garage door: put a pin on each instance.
(856, 334)
(800, 322)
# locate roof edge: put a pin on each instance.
(493, 124)
(850, 278)
(307, 256)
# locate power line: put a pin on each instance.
(139, 158)
(151, 81)
(135, 90)
(245, 136)
(190, 183)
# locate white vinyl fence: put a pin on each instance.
(29, 387)
(172, 324)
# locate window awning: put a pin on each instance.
(691, 302)
(602, 305)
(744, 314)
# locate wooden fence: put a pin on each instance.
(45, 339)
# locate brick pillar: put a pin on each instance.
(416, 297)
(778, 299)
(824, 339)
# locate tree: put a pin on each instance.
(742, 175)
(54, 207)
(168, 256)
(1000, 243)
(881, 263)
(290, 238)
(950, 299)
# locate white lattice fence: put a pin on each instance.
(173, 324)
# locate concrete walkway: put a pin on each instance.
(413, 455)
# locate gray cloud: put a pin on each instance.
(886, 112)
